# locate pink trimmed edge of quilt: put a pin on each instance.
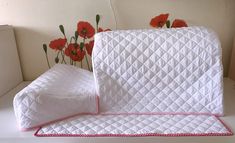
(230, 133)
(51, 122)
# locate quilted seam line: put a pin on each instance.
(161, 113)
(57, 120)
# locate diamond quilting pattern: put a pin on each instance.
(89, 125)
(60, 92)
(166, 70)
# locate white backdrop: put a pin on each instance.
(36, 22)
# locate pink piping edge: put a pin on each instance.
(223, 123)
(229, 133)
(131, 135)
(50, 122)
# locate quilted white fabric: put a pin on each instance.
(136, 125)
(165, 70)
(164, 82)
(60, 92)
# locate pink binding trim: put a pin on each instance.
(222, 122)
(47, 123)
(230, 133)
(131, 135)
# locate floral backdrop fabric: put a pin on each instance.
(79, 46)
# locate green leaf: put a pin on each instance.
(168, 23)
(57, 60)
(45, 48)
(97, 19)
(62, 29)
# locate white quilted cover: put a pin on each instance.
(165, 70)
(137, 125)
(165, 82)
(60, 92)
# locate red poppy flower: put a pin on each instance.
(159, 21)
(85, 29)
(80, 54)
(102, 30)
(89, 47)
(179, 23)
(69, 49)
(74, 52)
(58, 44)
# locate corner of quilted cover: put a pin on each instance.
(98, 36)
(17, 109)
(215, 39)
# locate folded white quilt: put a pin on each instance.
(60, 92)
(175, 70)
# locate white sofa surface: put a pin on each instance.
(10, 71)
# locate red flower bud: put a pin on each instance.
(102, 30)
(159, 21)
(177, 23)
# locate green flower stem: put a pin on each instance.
(72, 38)
(87, 62)
(62, 54)
(97, 27)
(57, 58)
(70, 41)
(88, 65)
(58, 54)
(48, 61)
(81, 64)
(67, 44)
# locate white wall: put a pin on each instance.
(36, 22)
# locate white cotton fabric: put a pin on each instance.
(165, 82)
(136, 125)
(60, 92)
(176, 70)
